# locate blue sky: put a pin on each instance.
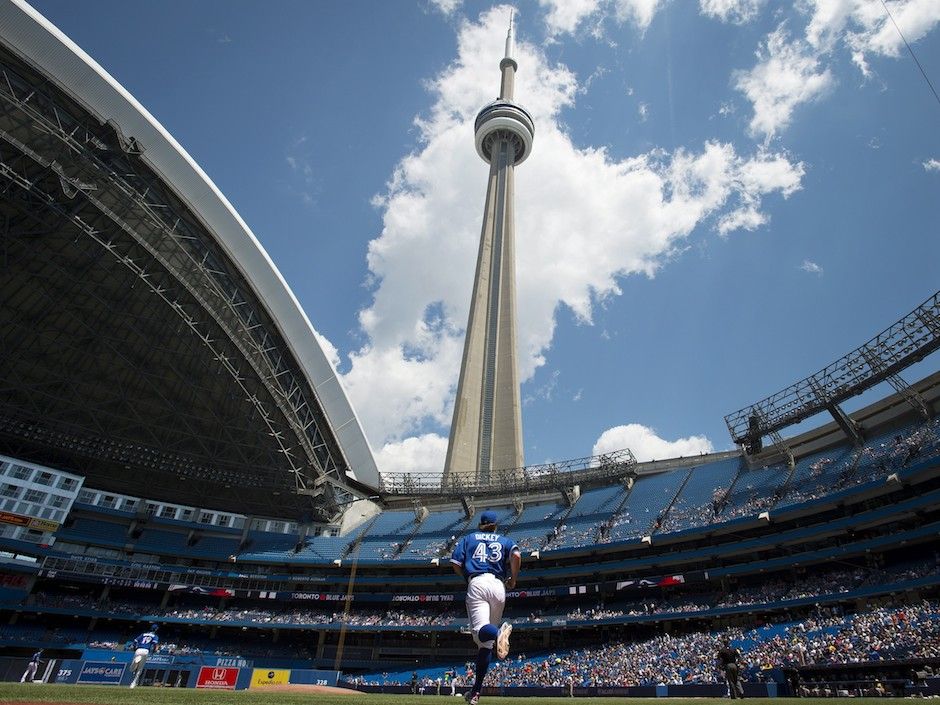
(723, 196)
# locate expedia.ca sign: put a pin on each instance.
(266, 677)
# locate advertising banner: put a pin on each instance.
(217, 678)
(31, 522)
(660, 581)
(199, 590)
(101, 672)
(264, 677)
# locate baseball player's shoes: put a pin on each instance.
(502, 640)
(471, 698)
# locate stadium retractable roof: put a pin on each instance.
(146, 338)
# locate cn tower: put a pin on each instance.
(486, 432)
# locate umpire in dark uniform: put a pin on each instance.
(728, 660)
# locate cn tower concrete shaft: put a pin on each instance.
(486, 432)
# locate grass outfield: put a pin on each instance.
(26, 693)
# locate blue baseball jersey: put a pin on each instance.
(484, 552)
(36, 657)
(147, 640)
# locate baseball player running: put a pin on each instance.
(485, 560)
(143, 645)
(30, 674)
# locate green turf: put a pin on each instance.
(23, 693)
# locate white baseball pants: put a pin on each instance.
(486, 598)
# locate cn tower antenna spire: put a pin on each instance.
(509, 36)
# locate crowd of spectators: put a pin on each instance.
(692, 599)
(829, 637)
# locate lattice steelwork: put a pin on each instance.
(512, 481)
(126, 330)
(905, 342)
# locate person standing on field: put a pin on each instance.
(489, 563)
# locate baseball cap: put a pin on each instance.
(154, 627)
(488, 517)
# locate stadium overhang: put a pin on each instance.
(148, 341)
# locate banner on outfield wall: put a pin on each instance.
(217, 678)
(101, 672)
(265, 677)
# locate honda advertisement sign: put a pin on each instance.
(217, 678)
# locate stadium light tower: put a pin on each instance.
(486, 431)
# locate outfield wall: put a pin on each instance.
(192, 671)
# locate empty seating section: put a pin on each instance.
(263, 545)
(442, 522)
(383, 537)
(217, 547)
(752, 492)
(153, 540)
(504, 517)
(315, 549)
(101, 532)
(650, 495)
(598, 501)
(582, 525)
(434, 534)
(392, 523)
(695, 506)
(535, 524)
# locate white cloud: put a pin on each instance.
(644, 111)
(646, 445)
(584, 219)
(790, 73)
(932, 165)
(332, 354)
(423, 453)
(447, 7)
(811, 267)
(787, 75)
(733, 11)
(566, 16)
(298, 159)
(639, 12)
(546, 391)
(869, 30)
